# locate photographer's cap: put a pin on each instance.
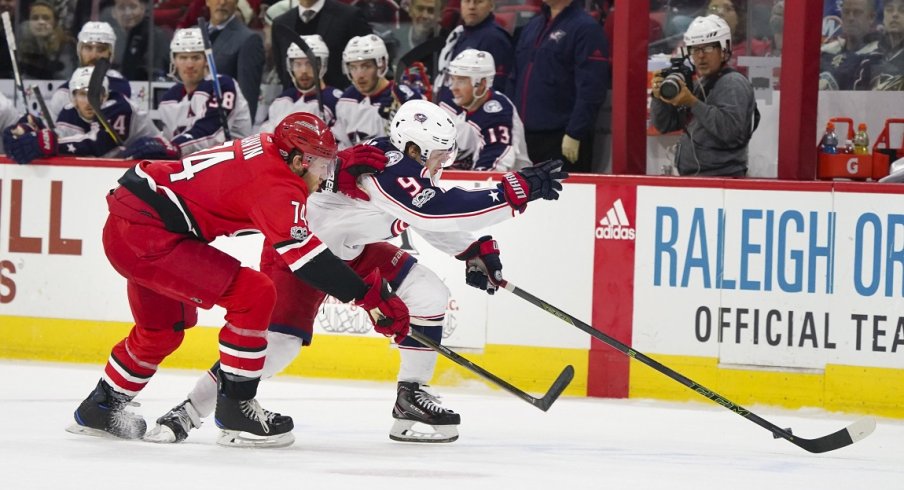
(706, 30)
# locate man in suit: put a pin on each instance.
(237, 50)
(336, 23)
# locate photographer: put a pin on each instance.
(718, 115)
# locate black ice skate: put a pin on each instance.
(104, 413)
(174, 425)
(415, 405)
(244, 423)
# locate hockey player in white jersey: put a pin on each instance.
(95, 40)
(78, 132)
(189, 109)
(365, 109)
(355, 222)
(490, 132)
(303, 96)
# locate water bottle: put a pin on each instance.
(830, 139)
(861, 140)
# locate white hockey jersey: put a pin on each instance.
(8, 115)
(60, 97)
(490, 137)
(362, 117)
(192, 121)
(400, 196)
(293, 100)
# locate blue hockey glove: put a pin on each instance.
(23, 144)
(541, 181)
(150, 147)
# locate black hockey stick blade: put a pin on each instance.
(289, 37)
(543, 403)
(417, 53)
(844, 437)
(95, 91)
(48, 117)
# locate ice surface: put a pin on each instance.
(341, 430)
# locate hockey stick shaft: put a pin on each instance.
(853, 433)
(48, 117)
(95, 88)
(289, 37)
(543, 403)
(11, 44)
(211, 64)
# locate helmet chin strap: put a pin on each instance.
(477, 99)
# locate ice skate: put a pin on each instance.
(174, 425)
(104, 414)
(245, 424)
(417, 408)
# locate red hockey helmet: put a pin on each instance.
(305, 133)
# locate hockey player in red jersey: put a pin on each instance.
(355, 223)
(162, 218)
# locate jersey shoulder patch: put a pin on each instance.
(393, 157)
(492, 106)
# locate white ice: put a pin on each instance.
(341, 430)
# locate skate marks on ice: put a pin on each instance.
(342, 441)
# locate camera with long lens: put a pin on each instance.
(677, 70)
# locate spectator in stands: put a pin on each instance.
(336, 23)
(840, 58)
(237, 50)
(883, 69)
(140, 53)
(46, 51)
(734, 12)
(559, 81)
(718, 115)
(481, 32)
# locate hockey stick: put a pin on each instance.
(417, 53)
(543, 403)
(95, 87)
(11, 44)
(218, 91)
(844, 437)
(288, 36)
(48, 118)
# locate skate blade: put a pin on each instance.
(88, 431)
(236, 438)
(160, 434)
(407, 431)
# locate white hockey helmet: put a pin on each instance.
(475, 64)
(96, 33)
(369, 47)
(186, 40)
(706, 30)
(81, 78)
(318, 47)
(428, 126)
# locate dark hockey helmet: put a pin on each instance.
(305, 133)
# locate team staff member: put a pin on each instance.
(559, 82)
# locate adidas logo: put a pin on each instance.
(615, 225)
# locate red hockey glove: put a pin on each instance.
(541, 181)
(483, 268)
(387, 312)
(355, 161)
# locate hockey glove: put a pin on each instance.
(150, 147)
(355, 161)
(387, 312)
(541, 181)
(29, 144)
(483, 269)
